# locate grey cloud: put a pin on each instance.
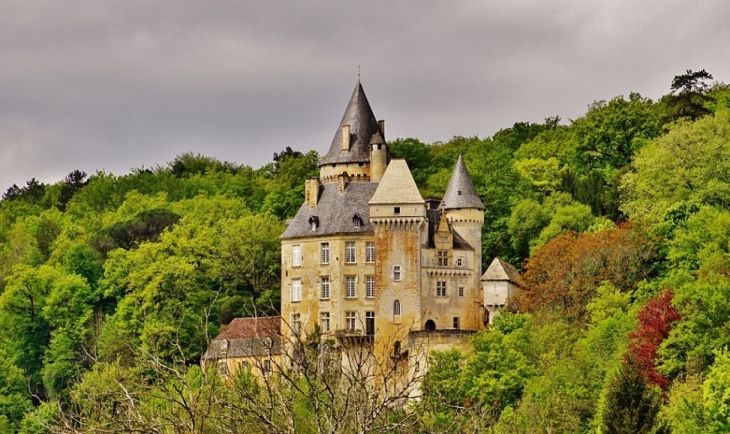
(115, 85)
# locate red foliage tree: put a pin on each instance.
(655, 323)
(562, 277)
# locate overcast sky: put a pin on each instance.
(114, 85)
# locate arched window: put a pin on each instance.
(396, 308)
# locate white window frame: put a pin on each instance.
(370, 252)
(324, 322)
(296, 323)
(296, 255)
(324, 253)
(350, 252)
(397, 273)
(324, 288)
(369, 286)
(351, 321)
(296, 290)
(459, 262)
(350, 287)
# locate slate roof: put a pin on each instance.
(397, 185)
(335, 211)
(461, 192)
(247, 337)
(500, 270)
(359, 116)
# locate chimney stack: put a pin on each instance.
(346, 138)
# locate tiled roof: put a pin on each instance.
(247, 337)
(461, 192)
(397, 185)
(359, 116)
(334, 211)
(255, 327)
(500, 270)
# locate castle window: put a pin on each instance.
(441, 288)
(324, 250)
(296, 255)
(223, 367)
(396, 273)
(369, 286)
(458, 192)
(396, 308)
(324, 322)
(350, 287)
(396, 210)
(370, 252)
(296, 290)
(266, 366)
(296, 323)
(350, 252)
(350, 321)
(357, 220)
(443, 258)
(459, 262)
(417, 367)
(456, 322)
(324, 286)
(461, 291)
(369, 323)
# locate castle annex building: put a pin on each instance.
(368, 261)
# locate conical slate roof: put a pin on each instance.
(461, 192)
(359, 116)
(397, 186)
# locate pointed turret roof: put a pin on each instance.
(359, 116)
(397, 186)
(461, 192)
(502, 271)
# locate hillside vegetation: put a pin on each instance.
(111, 286)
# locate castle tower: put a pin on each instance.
(398, 217)
(379, 156)
(465, 211)
(351, 146)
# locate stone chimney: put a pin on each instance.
(346, 138)
(342, 180)
(311, 192)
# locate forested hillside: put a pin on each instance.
(111, 286)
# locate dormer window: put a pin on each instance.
(356, 221)
(314, 222)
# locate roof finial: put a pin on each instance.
(358, 73)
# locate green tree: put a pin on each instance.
(688, 97)
(631, 406)
(690, 163)
(717, 394)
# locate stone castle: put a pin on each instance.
(368, 261)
